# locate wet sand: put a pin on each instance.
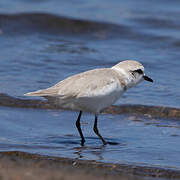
(19, 165)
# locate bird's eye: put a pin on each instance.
(139, 71)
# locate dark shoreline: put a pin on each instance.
(154, 111)
(32, 166)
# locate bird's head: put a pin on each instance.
(133, 72)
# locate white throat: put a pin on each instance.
(130, 82)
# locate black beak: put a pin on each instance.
(147, 78)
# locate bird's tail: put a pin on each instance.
(35, 93)
(43, 92)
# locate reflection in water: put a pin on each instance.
(83, 152)
(94, 150)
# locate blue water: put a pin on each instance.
(141, 140)
(38, 49)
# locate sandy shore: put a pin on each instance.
(20, 165)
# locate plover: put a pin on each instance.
(94, 90)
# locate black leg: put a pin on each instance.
(78, 125)
(97, 132)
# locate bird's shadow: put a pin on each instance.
(96, 140)
(75, 140)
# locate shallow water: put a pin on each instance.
(139, 140)
(45, 45)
